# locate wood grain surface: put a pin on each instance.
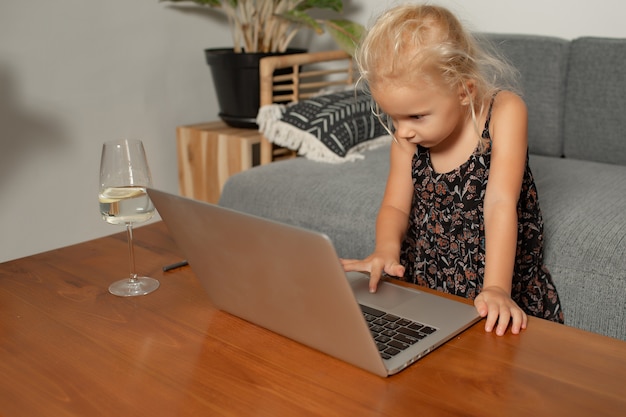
(69, 348)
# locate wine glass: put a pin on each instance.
(124, 176)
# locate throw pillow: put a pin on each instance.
(329, 128)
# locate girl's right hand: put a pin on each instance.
(376, 265)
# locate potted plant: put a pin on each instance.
(260, 28)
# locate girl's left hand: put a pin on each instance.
(496, 304)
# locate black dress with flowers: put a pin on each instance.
(444, 247)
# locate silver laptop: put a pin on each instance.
(290, 281)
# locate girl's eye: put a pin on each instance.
(416, 116)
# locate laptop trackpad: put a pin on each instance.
(386, 297)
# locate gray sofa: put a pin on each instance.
(576, 95)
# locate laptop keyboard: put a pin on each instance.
(393, 334)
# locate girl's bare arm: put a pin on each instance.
(508, 161)
(392, 219)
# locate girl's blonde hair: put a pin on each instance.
(428, 42)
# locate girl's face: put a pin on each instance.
(423, 113)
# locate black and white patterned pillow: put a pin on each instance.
(331, 128)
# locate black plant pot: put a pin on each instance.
(236, 80)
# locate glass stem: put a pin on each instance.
(131, 252)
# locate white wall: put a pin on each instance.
(75, 73)
(564, 18)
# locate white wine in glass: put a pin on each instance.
(124, 177)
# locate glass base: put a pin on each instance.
(138, 286)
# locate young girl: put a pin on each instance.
(460, 211)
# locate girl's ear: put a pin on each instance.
(467, 92)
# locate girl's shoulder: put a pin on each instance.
(508, 111)
(508, 127)
(505, 101)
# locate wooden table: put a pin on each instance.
(68, 348)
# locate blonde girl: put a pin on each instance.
(460, 212)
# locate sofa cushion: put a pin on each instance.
(542, 63)
(585, 239)
(336, 200)
(329, 128)
(595, 107)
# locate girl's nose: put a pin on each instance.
(404, 131)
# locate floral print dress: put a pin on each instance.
(444, 247)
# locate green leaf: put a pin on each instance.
(211, 3)
(335, 5)
(346, 34)
(301, 18)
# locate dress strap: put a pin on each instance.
(486, 134)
